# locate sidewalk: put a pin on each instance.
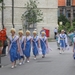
(5, 60)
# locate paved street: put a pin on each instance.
(53, 64)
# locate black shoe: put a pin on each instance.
(43, 56)
(58, 48)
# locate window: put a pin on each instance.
(68, 13)
(74, 13)
(68, 2)
(61, 11)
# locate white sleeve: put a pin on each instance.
(39, 37)
(24, 37)
(30, 37)
(46, 38)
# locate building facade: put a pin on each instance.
(13, 10)
(67, 8)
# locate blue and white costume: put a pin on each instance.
(13, 49)
(21, 46)
(35, 41)
(62, 40)
(43, 44)
(28, 46)
(74, 47)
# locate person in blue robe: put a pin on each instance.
(27, 50)
(36, 44)
(44, 44)
(13, 47)
(62, 41)
(21, 47)
(74, 46)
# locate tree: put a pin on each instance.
(66, 25)
(73, 23)
(1, 1)
(63, 19)
(32, 15)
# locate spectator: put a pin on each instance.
(55, 32)
(5, 44)
(58, 45)
(42, 30)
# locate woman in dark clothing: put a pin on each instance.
(5, 44)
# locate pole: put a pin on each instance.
(3, 14)
(2, 25)
(13, 13)
(0, 54)
(0, 61)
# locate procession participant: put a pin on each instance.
(44, 44)
(74, 46)
(62, 40)
(21, 47)
(36, 44)
(28, 45)
(13, 47)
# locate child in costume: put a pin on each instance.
(21, 47)
(44, 44)
(28, 45)
(74, 46)
(13, 47)
(35, 43)
(62, 40)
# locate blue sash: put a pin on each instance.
(35, 41)
(12, 40)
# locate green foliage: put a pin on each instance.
(32, 14)
(71, 29)
(60, 28)
(63, 19)
(74, 23)
(74, 20)
(1, 1)
(66, 24)
(67, 27)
